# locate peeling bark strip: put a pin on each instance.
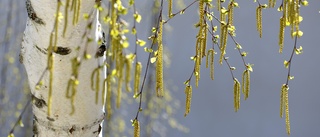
(32, 14)
(62, 50)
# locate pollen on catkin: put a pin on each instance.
(223, 41)
(95, 83)
(286, 105)
(159, 65)
(281, 33)
(246, 83)
(219, 5)
(271, 3)
(188, 92)
(236, 94)
(210, 56)
(137, 78)
(230, 13)
(259, 20)
(170, 8)
(108, 100)
(136, 128)
(119, 91)
(128, 74)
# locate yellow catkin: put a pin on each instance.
(230, 13)
(159, 65)
(108, 100)
(188, 92)
(286, 105)
(259, 20)
(137, 78)
(136, 130)
(271, 3)
(66, 11)
(223, 41)
(120, 75)
(281, 33)
(210, 55)
(204, 41)
(197, 70)
(244, 74)
(104, 90)
(236, 93)
(202, 34)
(128, 74)
(246, 83)
(219, 5)
(247, 89)
(283, 88)
(97, 84)
(223, 35)
(170, 8)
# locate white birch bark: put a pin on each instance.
(87, 117)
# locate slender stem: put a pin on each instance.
(148, 63)
(20, 117)
(180, 11)
(291, 57)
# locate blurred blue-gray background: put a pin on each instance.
(212, 113)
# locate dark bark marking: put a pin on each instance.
(44, 51)
(98, 131)
(72, 129)
(62, 50)
(35, 128)
(32, 14)
(50, 119)
(40, 103)
(100, 51)
(21, 58)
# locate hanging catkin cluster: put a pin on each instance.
(201, 41)
(290, 17)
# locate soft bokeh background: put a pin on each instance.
(212, 111)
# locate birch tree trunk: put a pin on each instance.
(61, 121)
